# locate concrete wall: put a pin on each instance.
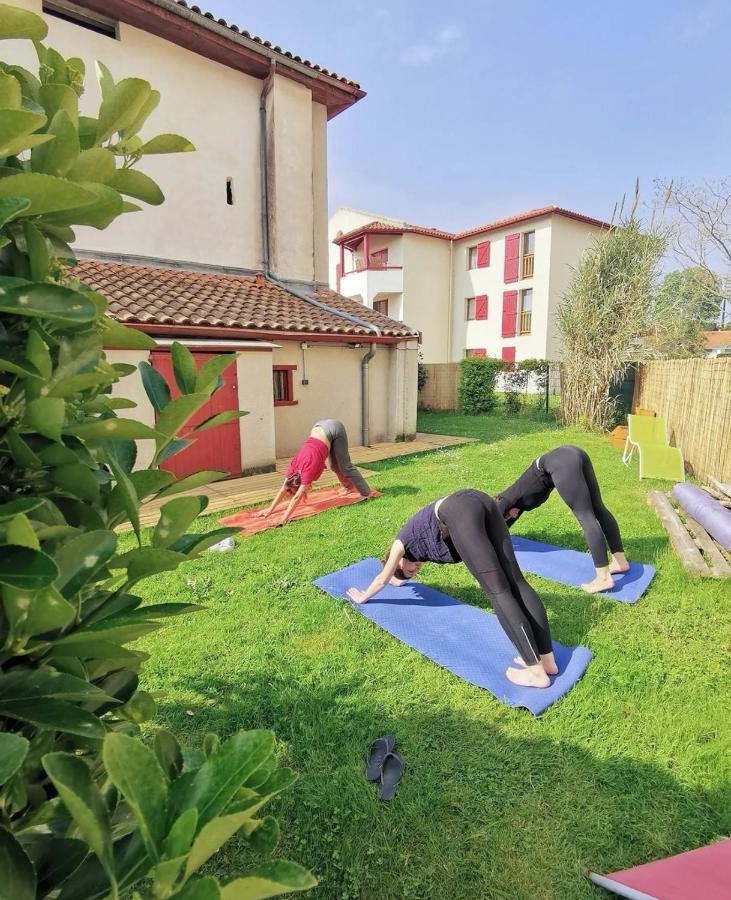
(131, 388)
(217, 108)
(569, 241)
(426, 292)
(333, 391)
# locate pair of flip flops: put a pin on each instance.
(385, 766)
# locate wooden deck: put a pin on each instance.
(252, 489)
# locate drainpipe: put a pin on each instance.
(266, 261)
(264, 166)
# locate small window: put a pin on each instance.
(381, 306)
(472, 257)
(230, 191)
(526, 310)
(78, 15)
(284, 385)
(508, 354)
(379, 259)
(529, 246)
(475, 351)
(471, 308)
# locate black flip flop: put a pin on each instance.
(377, 754)
(391, 774)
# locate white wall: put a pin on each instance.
(426, 292)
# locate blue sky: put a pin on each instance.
(479, 109)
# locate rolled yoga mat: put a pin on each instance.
(467, 641)
(572, 568)
(706, 510)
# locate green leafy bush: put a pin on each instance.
(86, 809)
(476, 391)
(422, 377)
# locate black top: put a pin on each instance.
(423, 541)
(531, 490)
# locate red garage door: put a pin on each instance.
(217, 448)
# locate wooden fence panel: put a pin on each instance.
(694, 398)
(440, 391)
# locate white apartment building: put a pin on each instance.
(488, 291)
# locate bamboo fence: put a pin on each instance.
(440, 390)
(694, 398)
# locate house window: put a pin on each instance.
(529, 247)
(78, 15)
(526, 310)
(381, 306)
(475, 351)
(284, 385)
(472, 257)
(471, 308)
(508, 354)
(379, 259)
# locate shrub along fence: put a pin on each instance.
(694, 398)
(441, 390)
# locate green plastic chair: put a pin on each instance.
(658, 459)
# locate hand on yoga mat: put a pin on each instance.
(356, 596)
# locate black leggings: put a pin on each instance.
(573, 477)
(480, 536)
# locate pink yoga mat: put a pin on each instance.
(316, 502)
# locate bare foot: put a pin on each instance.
(598, 584)
(548, 663)
(531, 676)
(618, 564)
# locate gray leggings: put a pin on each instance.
(340, 461)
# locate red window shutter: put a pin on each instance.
(477, 351)
(508, 354)
(379, 258)
(481, 307)
(510, 313)
(483, 255)
(512, 256)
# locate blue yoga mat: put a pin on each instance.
(467, 641)
(572, 568)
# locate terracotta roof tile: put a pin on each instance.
(146, 295)
(237, 30)
(386, 228)
(714, 340)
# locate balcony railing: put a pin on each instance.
(373, 266)
(527, 265)
(525, 320)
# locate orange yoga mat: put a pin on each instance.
(316, 502)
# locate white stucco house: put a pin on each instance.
(236, 259)
(488, 291)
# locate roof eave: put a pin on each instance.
(209, 331)
(205, 36)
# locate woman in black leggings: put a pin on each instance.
(569, 470)
(468, 527)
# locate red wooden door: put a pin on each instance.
(218, 448)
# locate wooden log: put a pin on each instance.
(689, 554)
(720, 486)
(714, 558)
(717, 495)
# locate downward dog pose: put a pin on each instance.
(326, 445)
(569, 470)
(468, 527)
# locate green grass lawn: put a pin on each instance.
(632, 765)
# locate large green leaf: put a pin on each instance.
(97, 164)
(77, 480)
(131, 864)
(46, 193)
(21, 505)
(46, 301)
(57, 156)
(16, 361)
(137, 184)
(105, 79)
(17, 875)
(21, 684)
(176, 414)
(212, 837)
(55, 859)
(270, 880)
(155, 386)
(100, 211)
(167, 143)
(183, 367)
(13, 751)
(172, 448)
(125, 489)
(175, 518)
(113, 429)
(38, 255)
(47, 611)
(145, 482)
(136, 773)
(46, 415)
(205, 888)
(37, 352)
(10, 207)
(21, 23)
(80, 559)
(29, 84)
(21, 567)
(55, 715)
(169, 755)
(11, 93)
(81, 797)
(230, 415)
(191, 482)
(121, 106)
(212, 369)
(195, 543)
(55, 98)
(263, 834)
(119, 337)
(147, 561)
(16, 131)
(223, 773)
(148, 107)
(20, 532)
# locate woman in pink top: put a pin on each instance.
(326, 445)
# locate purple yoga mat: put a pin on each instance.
(707, 511)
